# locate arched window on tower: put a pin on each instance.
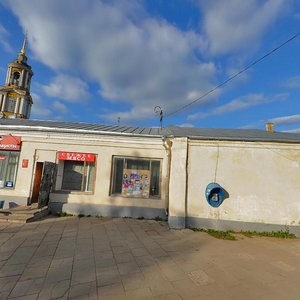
(26, 109)
(15, 79)
(28, 82)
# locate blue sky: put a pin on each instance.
(102, 60)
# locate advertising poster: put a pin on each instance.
(136, 183)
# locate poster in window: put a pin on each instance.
(136, 183)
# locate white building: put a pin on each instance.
(123, 171)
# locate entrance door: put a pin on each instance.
(46, 183)
(37, 182)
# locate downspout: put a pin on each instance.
(167, 143)
(187, 183)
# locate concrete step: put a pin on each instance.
(23, 214)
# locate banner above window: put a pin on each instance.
(10, 143)
(89, 157)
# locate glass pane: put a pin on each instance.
(73, 175)
(137, 164)
(12, 167)
(3, 165)
(118, 175)
(89, 177)
(155, 180)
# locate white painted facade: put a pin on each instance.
(44, 147)
(261, 179)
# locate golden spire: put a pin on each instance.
(23, 50)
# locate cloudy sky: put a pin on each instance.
(101, 61)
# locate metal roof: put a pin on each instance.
(173, 131)
(79, 127)
(234, 134)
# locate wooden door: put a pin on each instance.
(37, 182)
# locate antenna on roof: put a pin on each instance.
(158, 111)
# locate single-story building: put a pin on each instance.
(222, 179)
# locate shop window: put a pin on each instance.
(8, 168)
(75, 173)
(136, 177)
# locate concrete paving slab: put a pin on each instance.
(115, 258)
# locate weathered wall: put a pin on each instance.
(262, 181)
(178, 184)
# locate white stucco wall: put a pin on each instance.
(44, 146)
(262, 180)
(178, 182)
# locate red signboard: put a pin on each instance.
(25, 163)
(89, 157)
(10, 143)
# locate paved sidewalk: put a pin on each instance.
(94, 258)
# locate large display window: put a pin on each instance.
(76, 172)
(8, 168)
(136, 177)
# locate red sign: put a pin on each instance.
(76, 156)
(2, 157)
(10, 143)
(25, 163)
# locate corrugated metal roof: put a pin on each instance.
(190, 132)
(40, 125)
(234, 134)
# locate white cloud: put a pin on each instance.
(3, 40)
(130, 116)
(234, 25)
(39, 110)
(134, 58)
(238, 104)
(285, 120)
(60, 107)
(68, 88)
(293, 82)
(297, 130)
(186, 125)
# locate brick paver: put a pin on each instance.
(105, 258)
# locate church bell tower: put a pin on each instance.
(15, 98)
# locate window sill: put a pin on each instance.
(114, 196)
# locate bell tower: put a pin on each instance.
(15, 98)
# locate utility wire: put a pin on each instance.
(233, 76)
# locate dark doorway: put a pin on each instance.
(46, 183)
(37, 182)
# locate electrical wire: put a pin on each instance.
(233, 76)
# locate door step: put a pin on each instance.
(23, 214)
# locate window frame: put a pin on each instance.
(149, 159)
(63, 191)
(8, 155)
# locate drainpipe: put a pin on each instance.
(187, 182)
(167, 143)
